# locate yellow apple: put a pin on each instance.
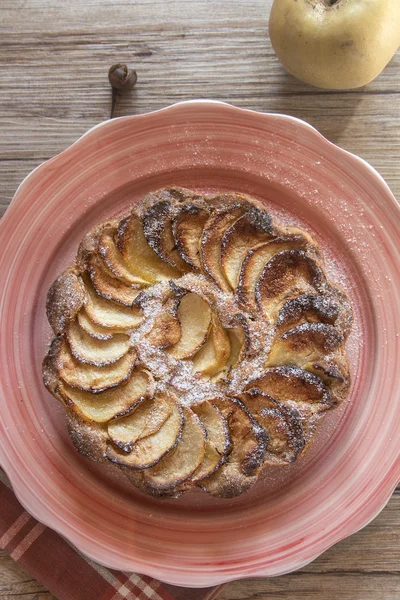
(335, 44)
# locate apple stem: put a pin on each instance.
(331, 2)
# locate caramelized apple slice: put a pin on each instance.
(217, 441)
(88, 349)
(239, 339)
(65, 298)
(308, 396)
(150, 450)
(308, 307)
(213, 233)
(288, 273)
(249, 442)
(110, 403)
(194, 315)
(179, 464)
(305, 343)
(210, 463)
(95, 331)
(114, 260)
(254, 263)
(187, 230)
(344, 320)
(237, 342)
(92, 378)
(109, 314)
(286, 439)
(165, 332)
(140, 258)
(292, 384)
(176, 196)
(254, 227)
(157, 228)
(335, 375)
(146, 419)
(109, 287)
(213, 356)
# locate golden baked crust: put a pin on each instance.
(196, 342)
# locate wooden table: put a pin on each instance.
(53, 86)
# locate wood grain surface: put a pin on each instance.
(54, 59)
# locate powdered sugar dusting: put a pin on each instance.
(178, 375)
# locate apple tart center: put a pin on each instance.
(198, 340)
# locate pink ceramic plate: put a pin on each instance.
(296, 512)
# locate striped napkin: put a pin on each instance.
(66, 573)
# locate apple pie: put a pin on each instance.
(197, 342)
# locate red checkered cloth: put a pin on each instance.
(66, 573)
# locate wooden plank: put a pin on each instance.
(374, 549)
(305, 586)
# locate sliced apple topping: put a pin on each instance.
(187, 230)
(305, 343)
(110, 403)
(92, 378)
(205, 292)
(213, 232)
(147, 418)
(115, 261)
(249, 442)
(166, 331)
(88, 349)
(90, 244)
(335, 375)
(174, 195)
(109, 314)
(217, 440)
(254, 227)
(109, 287)
(239, 339)
(150, 450)
(96, 331)
(288, 273)
(157, 228)
(254, 264)
(282, 424)
(194, 316)
(290, 383)
(138, 255)
(180, 464)
(213, 356)
(65, 298)
(307, 308)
